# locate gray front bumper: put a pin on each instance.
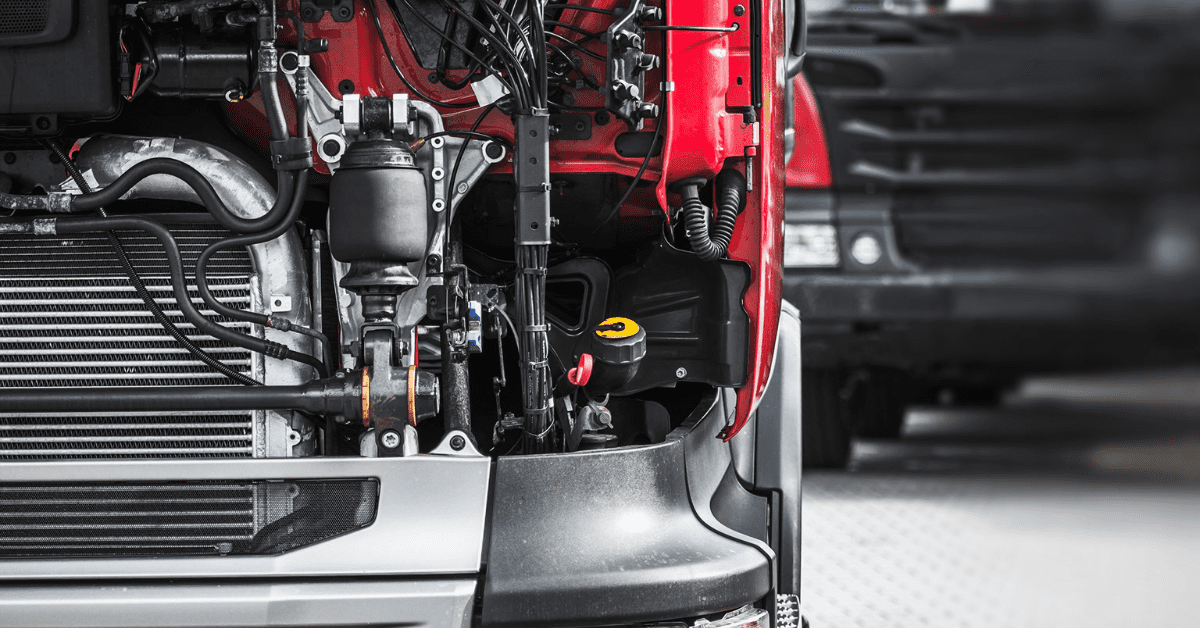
(212, 604)
(430, 520)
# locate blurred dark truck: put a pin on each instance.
(994, 195)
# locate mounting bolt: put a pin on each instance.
(390, 439)
(457, 443)
(681, 372)
(462, 188)
(739, 10)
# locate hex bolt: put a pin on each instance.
(681, 372)
(390, 439)
(457, 442)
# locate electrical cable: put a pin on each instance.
(571, 27)
(578, 70)
(659, 123)
(524, 92)
(575, 45)
(472, 134)
(507, 84)
(565, 6)
(140, 287)
(462, 151)
(387, 51)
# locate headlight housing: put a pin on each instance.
(807, 245)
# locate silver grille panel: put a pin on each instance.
(69, 317)
(78, 520)
(198, 518)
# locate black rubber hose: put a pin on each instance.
(140, 287)
(269, 87)
(247, 240)
(179, 286)
(341, 395)
(712, 244)
(731, 199)
(200, 185)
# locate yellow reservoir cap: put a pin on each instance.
(617, 327)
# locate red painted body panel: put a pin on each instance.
(809, 167)
(758, 238)
(701, 137)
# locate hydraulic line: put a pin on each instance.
(192, 177)
(247, 240)
(55, 226)
(140, 287)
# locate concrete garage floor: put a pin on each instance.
(1075, 504)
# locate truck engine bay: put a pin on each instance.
(381, 228)
(434, 312)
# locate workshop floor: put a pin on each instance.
(1075, 504)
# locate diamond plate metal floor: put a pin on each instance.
(1060, 509)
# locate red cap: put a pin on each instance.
(580, 375)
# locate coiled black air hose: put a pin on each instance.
(140, 287)
(711, 244)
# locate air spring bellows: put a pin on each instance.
(711, 244)
(378, 205)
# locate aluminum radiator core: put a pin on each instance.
(69, 317)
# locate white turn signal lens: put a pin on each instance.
(809, 246)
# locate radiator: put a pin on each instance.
(69, 317)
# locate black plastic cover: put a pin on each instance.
(71, 77)
(622, 535)
(30, 22)
(696, 327)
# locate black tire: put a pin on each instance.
(826, 434)
(879, 401)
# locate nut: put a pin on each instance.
(681, 372)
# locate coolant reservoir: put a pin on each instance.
(618, 346)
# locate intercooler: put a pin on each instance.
(69, 317)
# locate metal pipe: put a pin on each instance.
(243, 190)
(339, 395)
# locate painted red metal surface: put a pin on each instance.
(710, 124)
(809, 167)
(758, 237)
